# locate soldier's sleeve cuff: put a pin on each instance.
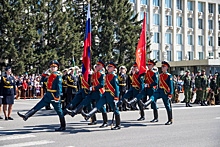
(170, 95)
(44, 75)
(56, 98)
(116, 98)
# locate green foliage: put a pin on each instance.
(34, 32)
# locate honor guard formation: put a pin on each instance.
(70, 93)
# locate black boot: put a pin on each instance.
(105, 120)
(62, 123)
(142, 116)
(131, 102)
(189, 105)
(170, 120)
(93, 120)
(155, 116)
(28, 114)
(91, 113)
(77, 110)
(204, 103)
(148, 102)
(117, 121)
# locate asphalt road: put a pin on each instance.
(192, 127)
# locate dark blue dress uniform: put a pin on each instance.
(137, 87)
(151, 80)
(111, 94)
(98, 83)
(164, 91)
(123, 87)
(71, 88)
(64, 90)
(54, 89)
(8, 89)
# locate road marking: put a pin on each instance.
(217, 118)
(1, 127)
(32, 143)
(11, 137)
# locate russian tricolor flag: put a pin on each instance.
(87, 47)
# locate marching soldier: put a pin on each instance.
(204, 86)
(8, 93)
(97, 89)
(137, 88)
(165, 91)
(151, 82)
(71, 85)
(175, 98)
(187, 86)
(64, 89)
(110, 96)
(123, 78)
(78, 78)
(54, 89)
(44, 85)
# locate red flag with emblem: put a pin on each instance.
(141, 49)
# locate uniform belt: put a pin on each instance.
(8, 86)
(122, 84)
(51, 90)
(72, 86)
(107, 90)
(65, 86)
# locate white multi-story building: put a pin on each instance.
(184, 32)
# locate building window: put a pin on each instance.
(156, 38)
(190, 54)
(200, 23)
(179, 39)
(211, 54)
(179, 4)
(156, 2)
(200, 6)
(132, 1)
(190, 6)
(210, 24)
(143, 2)
(168, 20)
(219, 9)
(190, 39)
(156, 19)
(210, 41)
(200, 40)
(168, 3)
(169, 56)
(201, 57)
(168, 38)
(218, 41)
(156, 55)
(179, 55)
(190, 23)
(211, 8)
(219, 25)
(179, 21)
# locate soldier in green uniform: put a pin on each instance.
(213, 90)
(217, 101)
(204, 85)
(198, 87)
(187, 86)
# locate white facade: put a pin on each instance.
(182, 30)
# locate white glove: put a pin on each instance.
(169, 97)
(145, 85)
(115, 101)
(1, 97)
(15, 96)
(61, 94)
(126, 91)
(46, 72)
(90, 88)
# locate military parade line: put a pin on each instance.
(71, 94)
